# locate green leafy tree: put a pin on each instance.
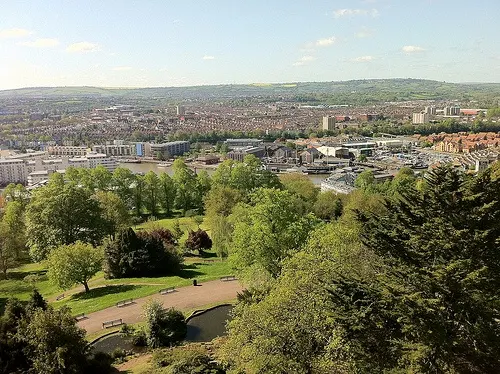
(143, 254)
(164, 327)
(53, 343)
(365, 180)
(328, 206)
(151, 192)
(75, 263)
(268, 230)
(114, 211)
(61, 214)
(16, 192)
(185, 184)
(101, 178)
(295, 327)
(440, 286)
(122, 182)
(8, 258)
(302, 186)
(167, 193)
(139, 195)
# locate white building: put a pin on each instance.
(96, 159)
(12, 171)
(328, 123)
(419, 118)
(115, 149)
(67, 150)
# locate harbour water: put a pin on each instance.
(145, 167)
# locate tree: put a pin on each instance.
(16, 192)
(295, 327)
(220, 202)
(302, 186)
(75, 263)
(328, 206)
(167, 193)
(185, 184)
(15, 228)
(365, 180)
(138, 195)
(114, 211)
(53, 343)
(143, 254)
(101, 178)
(7, 253)
(164, 327)
(61, 214)
(186, 360)
(198, 240)
(151, 191)
(203, 184)
(268, 230)
(221, 231)
(122, 182)
(440, 284)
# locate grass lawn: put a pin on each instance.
(185, 223)
(106, 292)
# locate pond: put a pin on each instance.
(201, 327)
(209, 324)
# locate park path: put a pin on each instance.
(183, 298)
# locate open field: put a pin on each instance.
(106, 292)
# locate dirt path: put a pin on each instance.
(183, 298)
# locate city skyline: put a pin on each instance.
(222, 42)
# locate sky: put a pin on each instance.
(157, 43)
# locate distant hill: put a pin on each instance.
(343, 92)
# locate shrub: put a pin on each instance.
(164, 327)
(142, 254)
(198, 240)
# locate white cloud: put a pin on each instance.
(304, 60)
(41, 43)
(355, 12)
(363, 59)
(14, 33)
(208, 57)
(412, 49)
(82, 47)
(122, 68)
(326, 41)
(365, 33)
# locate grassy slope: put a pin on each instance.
(105, 293)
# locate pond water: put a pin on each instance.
(208, 325)
(203, 327)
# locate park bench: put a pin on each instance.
(115, 322)
(80, 316)
(123, 303)
(165, 291)
(228, 278)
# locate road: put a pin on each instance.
(183, 298)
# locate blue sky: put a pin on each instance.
(124, 43)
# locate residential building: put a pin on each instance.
(328, 123)
(65, 150)
(115, 149)
(233, 143)
(419, 118)
(240, 153)
(167, 150)
(96, 159)
(12, 171)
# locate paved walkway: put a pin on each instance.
(183, 298)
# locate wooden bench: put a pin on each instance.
(60, 297)
(228, 278)
(80, 316)
(123, 303)
(167, 290)
(115, 322)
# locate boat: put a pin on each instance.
(164, 164)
